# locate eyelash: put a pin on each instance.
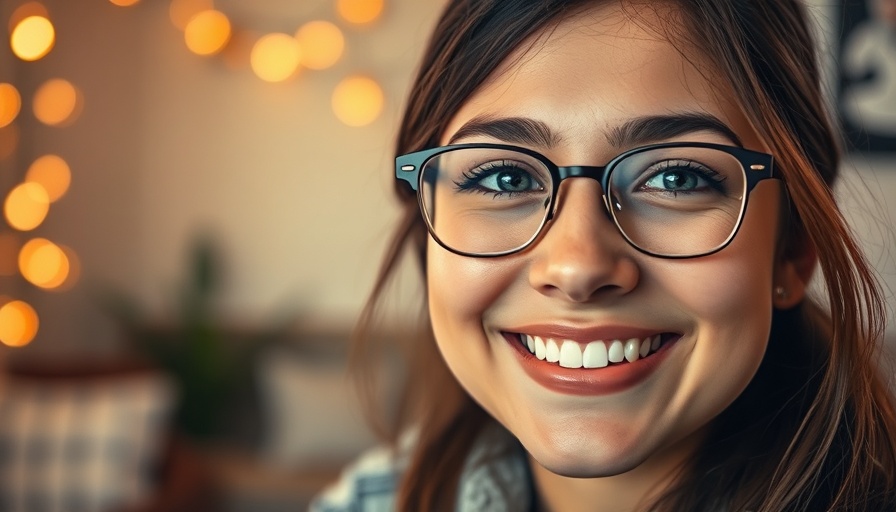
(712, 177)
(474, 176)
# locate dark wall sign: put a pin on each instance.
(867, 70)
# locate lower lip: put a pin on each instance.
(589, 381)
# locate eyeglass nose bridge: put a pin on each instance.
(597, 173)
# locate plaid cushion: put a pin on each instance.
(78, 446)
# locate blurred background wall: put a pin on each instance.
(209, 206)
(168, 145)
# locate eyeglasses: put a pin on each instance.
(672, 200)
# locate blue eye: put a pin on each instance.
(674, 180)
(681, 176)
(509, 181)
(503, 177)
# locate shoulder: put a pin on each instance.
(495, 477)
(369, 484)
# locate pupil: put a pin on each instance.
(511, 181)
(674, 180)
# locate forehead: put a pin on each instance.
(600, 66)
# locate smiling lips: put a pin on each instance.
(594, 354)
(614, 360)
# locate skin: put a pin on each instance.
(594, 72)
(885, 10)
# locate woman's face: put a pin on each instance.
(585, 80)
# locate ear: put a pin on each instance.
(793, 271)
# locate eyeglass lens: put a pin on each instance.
(670, 201)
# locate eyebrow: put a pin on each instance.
(516, 130)
(634, 132)
(647, 129)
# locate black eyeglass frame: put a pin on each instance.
(757, 166)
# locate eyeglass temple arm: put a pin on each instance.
(407, 171)
(763, 168)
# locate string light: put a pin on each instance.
(322, 44)
(26, 206)
(316, 45)
(10, 104)
(57, 102)
(207, 32)
(43, 263)
(32, 38)
(275, 57)
(52, 173)
(359, 12)
(357, 100)
(18, 323)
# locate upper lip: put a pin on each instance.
(586, 334)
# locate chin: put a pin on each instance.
(587, 469)
(585, 462)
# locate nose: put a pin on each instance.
(582, 257)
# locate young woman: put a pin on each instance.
(617, 207)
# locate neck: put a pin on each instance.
(631, 491)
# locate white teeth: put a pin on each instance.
(616, 352)
(539, 348)
(645, 347)
(552, 355)
(632, 349)
(595, 355)
(570, 355)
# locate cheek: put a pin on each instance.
(733, 286)
(721, 290)
(728, 297)
(461, 289)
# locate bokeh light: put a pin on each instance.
(18, 323)
(26, 206)
(10, 104)
(359, 12)
(57, 102)
(43, 263)
(181, 11)
(357, 100)
(207, 32)
(9, 140)
(124, 3)
(52, 173)
(9, 253)
(26, 10)
(322, 44)
(32, 38)
(275, 57)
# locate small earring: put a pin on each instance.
(780, 292)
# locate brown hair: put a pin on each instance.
(815, 428)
